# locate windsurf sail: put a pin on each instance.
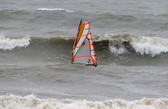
(83, 49)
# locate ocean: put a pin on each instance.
(131, 44)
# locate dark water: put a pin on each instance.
(130, 38)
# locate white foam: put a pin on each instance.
(7, 43)
(32, 102)
(54, 9)
(117, 51)
(149, 45)
(143, 45)
(115, 46)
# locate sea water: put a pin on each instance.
(131, 43)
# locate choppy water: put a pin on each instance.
(130, 37)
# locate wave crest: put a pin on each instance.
(140, 44)
(150, 45)
(7, 43)
(54, 9)
(117, 44)
(32, 102)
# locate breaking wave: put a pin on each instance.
(54, 9)
(116, 44)
(142, 45)
(32, 102)
(7, 43)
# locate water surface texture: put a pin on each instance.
(131, 43)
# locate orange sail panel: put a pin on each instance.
(83, 49)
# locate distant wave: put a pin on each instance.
(32, 102)
(7, 43)
(54, 9)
